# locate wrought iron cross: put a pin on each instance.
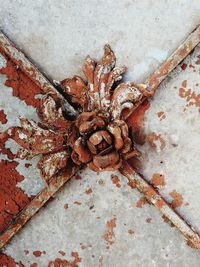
(84, 123)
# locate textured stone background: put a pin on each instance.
(104, 225)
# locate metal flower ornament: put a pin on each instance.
(95, 134)
(84, 123)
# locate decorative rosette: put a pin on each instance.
(86, 125)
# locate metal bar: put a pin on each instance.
(158, 201)
(172, 62)
(54, 185)
(7, 47)
(155, 79)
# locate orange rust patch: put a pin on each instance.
(88, 191)
(109, 234)
(131, 232)
(8, 261)
(158, 180)
(77, 203)
(190, 96)
(34, 265)
(153, 138)
(132, 184)
(136, 119)
(66, 206)
(37, 253)
(115, 180)
(198, 62)
(177, 199)
(23, 87)
(12, 198)
(77, 177)
(3, 149)
(3, 119)
(184, 83)
(63, 262)
(141, 202)
(161, 115)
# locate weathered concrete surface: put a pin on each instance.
(104, 226)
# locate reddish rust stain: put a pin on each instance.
(115, 180)
(66, 206)
(19, 82)
(154, 80)
(177, 199)
(27, 165)
(148, 220)
(192, 98)
(65, 263)
(12, 198)
(8, 261)
(77, 177)
(62, 252)
(77, 202)
(3, 149)
(184, 83)
(141, 202)
(150, 194)
(198, 62)
(37, 253)
(132, 184)
(152, 138)
(34, 264)
(184, 66)
(158, 180)
(3, 119)
(136, 119)
(161, 115)
(109, 234)
(88, 191)
(131, 231)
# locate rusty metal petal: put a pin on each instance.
(51, 164)
(52, 114)
(76, 88)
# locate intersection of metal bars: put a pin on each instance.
(150, 193)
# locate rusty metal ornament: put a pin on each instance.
(96, 133)
(85, 124)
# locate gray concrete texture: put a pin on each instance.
(105, 227)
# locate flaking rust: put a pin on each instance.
(89, 129)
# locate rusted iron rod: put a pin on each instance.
(156, 78)
(18, 57)
(173, 61)
(34, 206)
(161, 204)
